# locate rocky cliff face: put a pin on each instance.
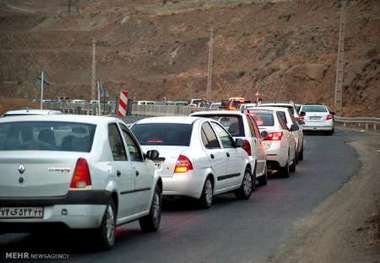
(156, 48)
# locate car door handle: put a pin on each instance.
(212, 156)
(228, 154)
(137, 173)
(118, 173)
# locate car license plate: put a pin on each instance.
(315, 118)
(21, 212)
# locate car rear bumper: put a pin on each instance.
(186, 184)
(276, 154)
(317, 128)
(76, 210)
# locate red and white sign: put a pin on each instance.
(123, 103)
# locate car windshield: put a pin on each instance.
(314, 108)
(232, 123)
(263, 118)
(169, 134)
(46, 136)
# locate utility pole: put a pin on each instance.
(42, 91)
(340, 60)
(93, 79)
(210, 64)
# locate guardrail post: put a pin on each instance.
(374, 126)
(366, 126)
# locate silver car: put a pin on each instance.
(77, 172)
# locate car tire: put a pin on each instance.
(300, 155)
(292, 167)
(105, 235)
(248, 185)
(284, 171)
(207, 194)
(151, 222)
(263, 180)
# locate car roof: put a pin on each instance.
(275, 108)
(91, 119)
(218, 112)
(277, 104)
(169, 119)
(32, 112)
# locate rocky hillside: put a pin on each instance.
(157, 48)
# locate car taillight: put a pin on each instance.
(183, 165)
(329, 117)
(274, 136)
(247, 147)
(82, 177)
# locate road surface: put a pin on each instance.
(232, 230)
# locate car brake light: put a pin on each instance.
(81, 178)
(329, 117)
(274, 136)
(247, 147)
(183, 165)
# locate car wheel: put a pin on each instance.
(151, 222)
(292, 167)
(106, 233)
(284, 171)
(207, 194)
(300, 155)
(248, 185)
(263, 180)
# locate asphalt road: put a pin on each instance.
(232, 230)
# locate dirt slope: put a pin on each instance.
(157, 48)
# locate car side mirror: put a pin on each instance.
(239, 143)
(294, 127)
(302, 113)
(264, 134)
(332, 112)
(152, 155)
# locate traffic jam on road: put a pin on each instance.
(96, 173)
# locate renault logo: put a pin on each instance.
(21, 169)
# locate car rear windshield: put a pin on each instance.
(314, 108)
(263, 118)
(168, 134)
(232, 123)
(291, 109)
(46, 136)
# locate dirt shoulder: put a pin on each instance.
(346, 226)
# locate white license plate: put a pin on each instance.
(21, 212)
(315, 118)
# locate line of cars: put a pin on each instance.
(95, 173)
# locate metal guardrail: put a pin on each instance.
(361, 122)
(81, 108)
(164, 110)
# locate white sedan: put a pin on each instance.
(280, 144)
(201, 157)
(242, 126)
(77, 172)
(317, 117)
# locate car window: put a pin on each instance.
(314, 108)
(282, 119)
(232, 123)
(225, 138)
(294, 121)
(116, 143)
(252, 122)
(209, 138)
(251, 126)
(132, 146)
(263, 118)
(170, 134)
(46, 136)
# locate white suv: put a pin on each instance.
(77, 172)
